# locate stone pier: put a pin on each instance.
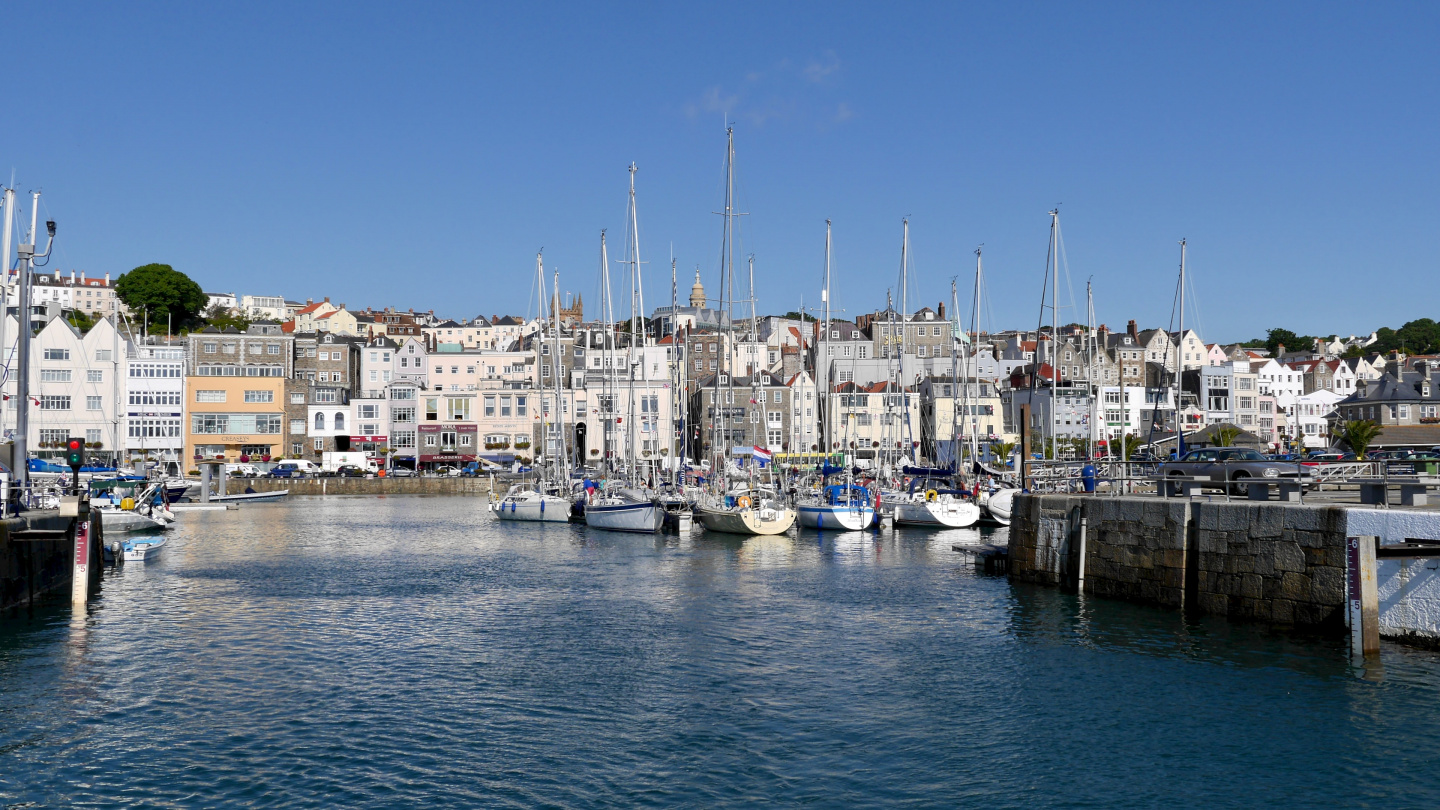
(1276, 563)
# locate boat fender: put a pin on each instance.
(127, 504)
(743, 502)
(931, 495)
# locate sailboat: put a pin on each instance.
(740, 505)
(995, 495)
(841, 507)
(932, 497)
(622, 505)
(544, 500)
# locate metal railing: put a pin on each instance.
(1141, 477)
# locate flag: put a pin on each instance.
(760, 453)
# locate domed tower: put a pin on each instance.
(697, 292)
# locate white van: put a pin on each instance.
(294, 468)
(242, 470)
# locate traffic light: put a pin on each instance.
(75, 452)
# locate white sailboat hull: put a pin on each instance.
(545, 509)
(945, 511)
(745, 521)
(625, 517)
(836, 517)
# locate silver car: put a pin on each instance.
(1238, 465)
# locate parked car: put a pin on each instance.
(1238, 465)
(446, 471)
(400, 472)
(351, 471)
(294, 468)
(242, 470)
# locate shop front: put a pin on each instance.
(446, 444)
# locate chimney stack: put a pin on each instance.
(942, 310)
(107, 279)
(1133, 331)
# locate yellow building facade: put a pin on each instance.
(234, 417)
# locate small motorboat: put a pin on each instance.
(140, 549)
(127, 505)
(998, 504)
(273, 495)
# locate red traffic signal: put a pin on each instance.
(75, 452)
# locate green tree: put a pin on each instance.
(1129, 443)
(1275, 338)
(155, 291)
(1225, 435)
(1003, 451)
(797, 316)
(80, 320)
(220, 318)
(1420, 336)
(1357, 435)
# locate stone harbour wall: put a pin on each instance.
(1272, 563)
(367, 486)
(1282, 564)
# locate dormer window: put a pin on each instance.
(1425, 390)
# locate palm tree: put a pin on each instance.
(1003, 451)
(1225, 435)
(1358, 434)
(1128, 443)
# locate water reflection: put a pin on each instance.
(375, 653)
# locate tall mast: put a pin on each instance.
(608, 387)
(720, 410)
(954, 378)
(822, 365)
(677, 366)
(972, 353)
(757, 395)
(1055, 335)
(635, 357)
(637, 294)
(5, 246)
(540, 336)
(1179, 424)
(904, 328)
(558, 368)
(1091, 387)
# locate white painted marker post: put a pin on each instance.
(1362, 596)
(80, 566)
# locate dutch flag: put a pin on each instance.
(760, 454)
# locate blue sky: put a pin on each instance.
(419, 155)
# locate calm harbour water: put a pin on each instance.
(362, 652)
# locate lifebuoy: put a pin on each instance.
(931, 495)
(743, 501)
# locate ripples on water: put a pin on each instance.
(406, 651)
